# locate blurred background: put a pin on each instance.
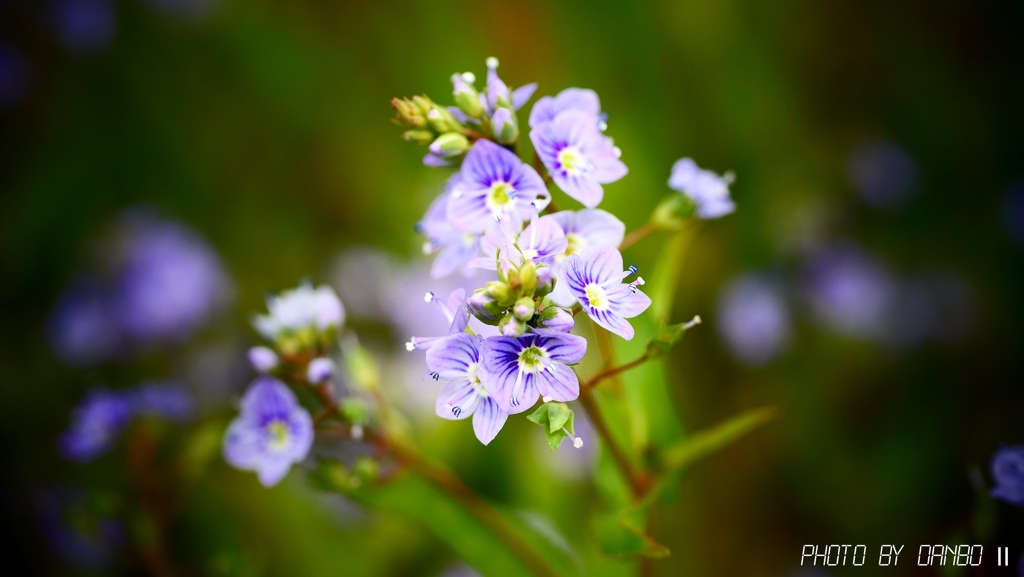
(165, 163)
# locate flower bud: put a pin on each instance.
(408, 114)
(510, 326)
(505, 126)
(423, 104)
(466, 96)
(556, 319)
(524, 308)
(501, 293)
(442, 121)
(449, 144)
(528, 276)
(262, 359)
(420, 136)
(484, 307)
(673, 212)
(319, 370)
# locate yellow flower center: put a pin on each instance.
(499, 195)
(279, 435)
(596, 296)
(571, 160)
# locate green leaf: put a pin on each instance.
(685, 452)
(558, 415)
(540, 416)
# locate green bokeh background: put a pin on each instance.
(266, 129)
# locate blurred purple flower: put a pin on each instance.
(850, 291)
(301, 308)
(455, 313)
(883, 172)
(15, 74)
(706, 189)
(82, 328)
(170, 401)
(272, 432)
(1013, 213)
(84, 26)
(455, 247)
(753, 319)
(96, 424)
(496, 92)
(320, 369)
(262, 359)
(1008, 474)
(170, 281)
(80, 536)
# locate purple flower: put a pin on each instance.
(168, 400)
(455, 247)
(85, 26)
(83, 329)
(170, 280)
(457, 360)
(96, 423)
(706, 189)
(584, 229)
(299, 309)
(850, 291)
(579, 158)
(595, 277)
(494, 184)
(883, 173)
(1008, 473)
(319, 370)
(520, 369)
(540, 242)
(753, 319)
(262, 359)
(272, 432)
(548, 108)
(454, 311)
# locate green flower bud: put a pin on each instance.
(466, 96)
(501, 293)
(408, 114)
(510, 326)
(524, 308)
(418, 136)
(528, 276)
(672, 212)
(505, 125)
(449, 144)
(423, 104)
(442, 121)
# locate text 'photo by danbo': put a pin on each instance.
(458, 289)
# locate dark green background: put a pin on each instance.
(266, 128)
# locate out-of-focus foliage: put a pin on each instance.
(886, 130)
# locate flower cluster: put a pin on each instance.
(102, 414)
(273, 430)
(494, 214)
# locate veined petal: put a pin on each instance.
(630, 304)
(612, 322)
(454, 354)
(545, 240)
(563, 347)
(488, 420)
(582, 187)
(457, 400)
(267, 398)
(561, 385)
(602, 263)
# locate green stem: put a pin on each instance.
(637, 235)
(639, 481)
(613, 371)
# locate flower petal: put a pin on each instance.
(488, 420)
(561, 385)
(456, 400)
(271, 471)
(521, 96)
(612, 322)
(454, 354)
(630, 304)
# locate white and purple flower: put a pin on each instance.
(299, 309)
(595, 277)
(457, 359)
(494, 184)
(454, 247)
(706, 189)
(541, 242)
(579, 158)
(584, 229)
(520, 369)
(272, 432)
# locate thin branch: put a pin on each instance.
(611, 372)
(639, 482)
(637, 235)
